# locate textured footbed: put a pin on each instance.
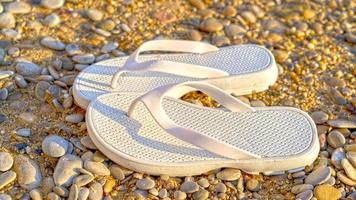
(95, 80)
(266, 132)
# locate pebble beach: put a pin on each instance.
(45, 152)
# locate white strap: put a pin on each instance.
(182, 69)
(153, 101)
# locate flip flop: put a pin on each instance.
(238, 69)
(156, 133)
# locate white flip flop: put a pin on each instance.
(238, 69)
(156, 133)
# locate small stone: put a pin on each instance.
(334, 82)
(109, 186)
(249, 17)
(47, 185)
(189, 187)
(96, 191)
(349, 169)
(61, 191)
(75, 118)
(145, 184)
(163, 193)
(319, 117)
(194, 35)
(73, 49)
(20, 81)
(257, 11)
(27, 117)
(327, 192)
(7, 20)
(35, 194)
(3, 94)
(203, 182)
(84, 58)
(83, 180)
(229, 174)
(3, 118)
(318, 176)
(179, 195)
(229, 11)
(211, 25)
(18, 7)
(73, 192)
(96, 168)
(306, 195)
(342, 123)
(107, 25)
(54, 146)
(336, 139)
(52, 43)
(28, 172)
(116, 172)
(52, 20)
(301, 188)
(40, 90)
(220, 41)
(83, 193)
(6, 161)
(67, 169)
(52, 4)
(253, 185)
(94, 14)
(337, 156)
(346, 180)
(351, 37)
(53, 196)
(28, 68)
(220, 188)
(280, 55)
(234, 30)
(87, 142)
(201, 195)
(107, 48)
(197, 3)
(351, 156)
(7, 178)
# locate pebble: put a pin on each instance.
(306, 195)
(87, 142)
(20, 81)
(96, 191)
(4, 196)
(3, 94)
(189, 187)
(7, 20)
(75, 118)
(52, 43)
(67, 169)
(52, 20)
(96, 168)
(27, 117)
(336, 157)
(7, 178)
(83, 193)
(229, 174)
(28, 68)
(179, 195)
(53, 196)
(194, 35)
(318, 176)
(35, 194)
(18, 7)
(47, 185)
(220, 41)
(109, 47)
(336, 139)
(351, 156)
(6, 161)
(145, 184)
(327, 192)
(344, 179)
(349, 169)
(84, 58)
(229, 11)
(52, 4)
(116, 172)
(54, 146)
(163, 193)
(253, 185)
(40, 89)
(211, 25)
(107, 25)
(342, 123)
(234, 30)
(220, 188)
(249, 17)
(3, 118)
(201, 195)
(319, 117)
(28, 172)
(61, 191)
(301, 188)
(94, 14)
(203, 182)
(73, 192)
(351, 37)
(73, 49)
(197, 3)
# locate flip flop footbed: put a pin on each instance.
(285, 138)
(251, 68)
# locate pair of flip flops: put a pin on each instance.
(135, 117)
